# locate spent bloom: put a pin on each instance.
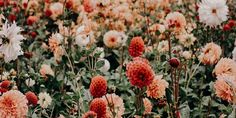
(10, 41)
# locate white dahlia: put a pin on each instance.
(10, 41)
(213, 12)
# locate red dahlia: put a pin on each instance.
(90, 114)
(32, 98)
(5, 84)
(136, 47)
(98, 86)
(98, 105)
(139, 73)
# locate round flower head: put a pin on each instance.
(147, 105)
(44, 99)
(210, 54)
(5, 84)
(223, 89)
(175, 21)
(13, 104)
(213, 12)
(98, 86)
(99, 106)
(163, 46)
(113, 39)
(56, 9)
(136, 47)
(139, 73)
(32, 98)
(114, 103)
(157, 88)
(141, 59)
(225, 66)
(90, 114)
(89, 5)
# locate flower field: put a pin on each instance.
(117, 59)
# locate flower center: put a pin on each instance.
(213, 11)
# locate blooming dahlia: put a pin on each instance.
(139, 73)
(98, 86)
(98, 105)
(136, 47)
(13, 104)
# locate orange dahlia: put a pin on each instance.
(32, 98)
(13, 104)
(139, 73)
(136, 47)
(98, 86)
(99, 106)
(90, 114)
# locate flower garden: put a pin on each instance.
(117, 59)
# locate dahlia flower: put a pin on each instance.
(186, 39)
(56, 9)
(98, 86)
(136, 47)
(114, 103)
(175, 21)
(213, 12)
(114, 39)
(82, 36)
(225, 66)
(163, 46)
(44, 99)
(147, 105)
(139, 73)
(32, 98)
(46, 70)
(99, 106)
(210, 54)
(10, 41)
(106, 65)
(234, 54)
(13, 104)
(157, 88)
(223, 89)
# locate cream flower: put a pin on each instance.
(10, 41)
(187, 54)
(46, 70)
(163, 46)
(213, 12)
(13, 104)
(116, 104)
(186, 39)
(44, 99)
(30, 82)
(82, 37)
(106, 65)
(113, 39)
(175, 21)
(210, 54)
(57, 9)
